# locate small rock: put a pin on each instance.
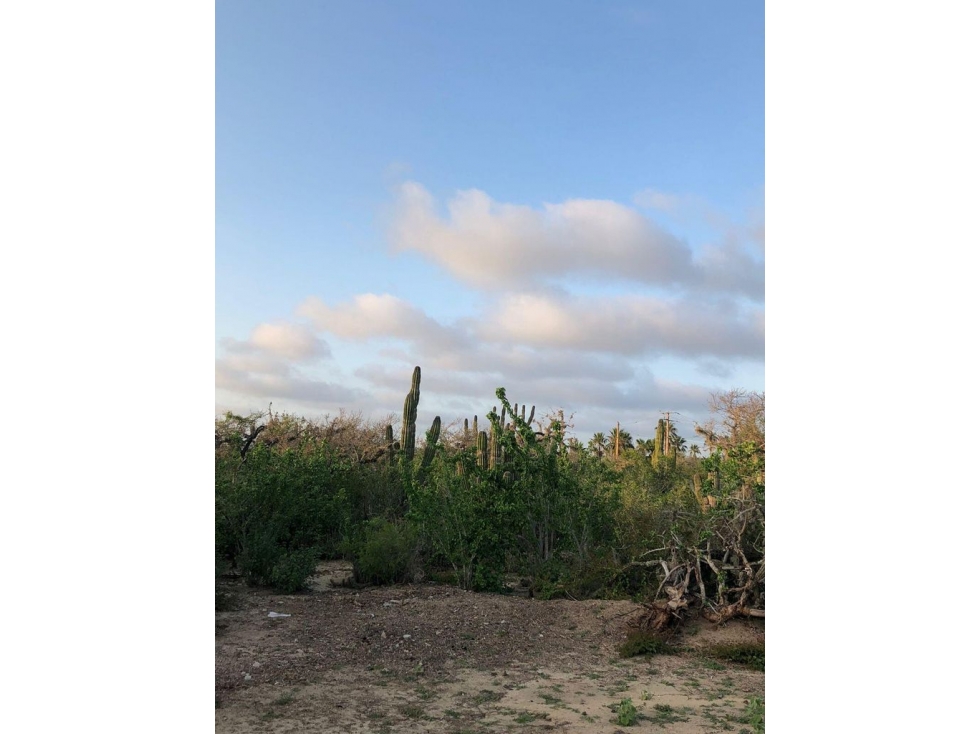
(247, 676)
(384, 635)
(256, 664)
(407, 637)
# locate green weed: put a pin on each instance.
(754, 715)
(626, 713)
(644, 643)
(749, 654)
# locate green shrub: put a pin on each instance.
(644, 643)
(384, 553)
(626, 713)
(277, 502)
(292, 570)
(266, 562)
(466, 521)
(750, 654)
(754, 715)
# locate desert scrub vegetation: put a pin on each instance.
(751, 654)
(644, 643)
(617, 517)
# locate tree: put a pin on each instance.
(598, 444)
(646, 446)
(677, 441)
(619, 440)
(740, 420)
(716, 550)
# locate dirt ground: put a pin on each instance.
(431, 658)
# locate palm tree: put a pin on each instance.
(677, 440)
(646, 445)
(620, 440)
(598, 444)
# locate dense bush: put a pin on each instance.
(384, 552)
(581, 523)
(278, 511)
(466, 516)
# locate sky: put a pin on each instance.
(565, 199)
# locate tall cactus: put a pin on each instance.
(494, 445)
(431, 439)
(658, 441)
(389, 442)
(482, 450)
(410, 415)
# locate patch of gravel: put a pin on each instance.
(405, 629)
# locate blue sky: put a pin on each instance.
(565, 199)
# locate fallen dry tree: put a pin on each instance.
(712, 561)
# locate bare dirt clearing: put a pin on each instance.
(430, 658)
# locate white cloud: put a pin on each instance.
(276, 342)
(264, 366)
(493, 246)
(517, 327)
(281, 382)
(631, 325)
(370, 316)
(291, 341)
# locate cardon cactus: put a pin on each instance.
(482, 450)
(431, 439)
(658, 441)
(410, 415)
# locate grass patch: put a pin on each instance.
(285, 699)
(412, 712)
(666, 714)
(644, 643)
(618, 687)
(721, 721)
(485, 696)
(749, 654)
(528, 716)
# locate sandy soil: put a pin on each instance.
(429, 658)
